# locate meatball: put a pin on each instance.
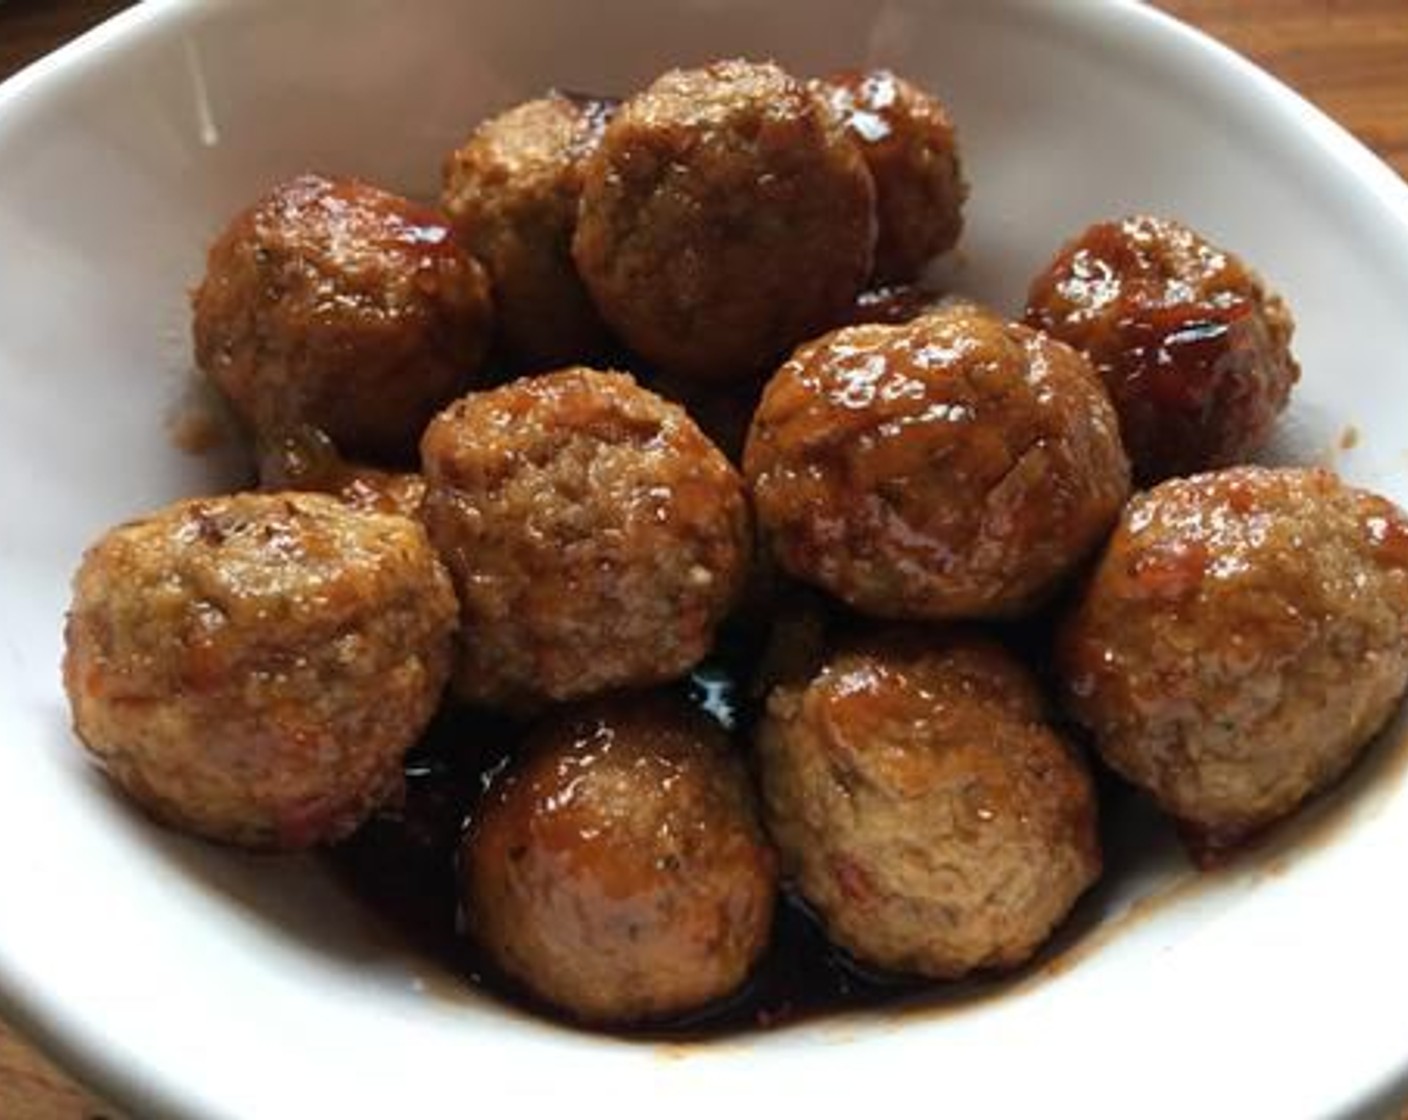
(949, 467)
(511, 192)
(1243, 636)
(725, 217)
(335, 304)
(596, 538)
(908, 143)
(305, 459)
(252, 669)
(617, 869)
(923, 808)
(1192, 347)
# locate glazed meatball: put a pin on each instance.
(1244, 635)
(617, 869)
(908, 143)
(305, 459)
(1192, 347)
(595, 536)
(252, 669)
(724, 218)
(923, 808)
(953, 466)
(511, 192)
(335, 304)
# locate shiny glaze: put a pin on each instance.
(953, 466)
(910, 149)
(304, 458)
(333, 303)
(617, 865)
(356, 225)
(1191, 347)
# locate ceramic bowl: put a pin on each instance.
(186, 980)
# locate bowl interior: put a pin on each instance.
(167, 969)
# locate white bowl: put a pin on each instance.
(189, 981)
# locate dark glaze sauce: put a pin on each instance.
(1193, 351)
(403, 865)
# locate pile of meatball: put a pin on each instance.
(663, 369)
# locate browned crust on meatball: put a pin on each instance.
(909, 145)
(253, 668)
(923, 809)
(1193, 348)
(1243, 636)
(333, 303)
(724, 218)
(511, 191)
(617, 869)
(595, 537)
(950, 467)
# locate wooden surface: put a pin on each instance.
(1348, 56)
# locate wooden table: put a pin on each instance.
(1348, 56)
